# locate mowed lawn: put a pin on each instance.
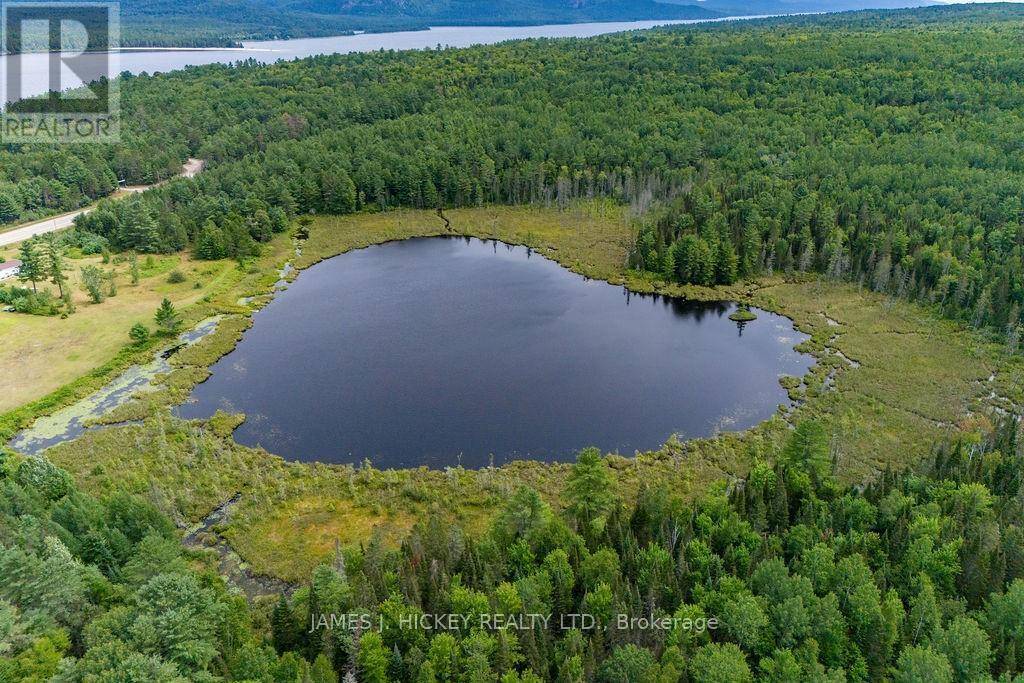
(40, 354)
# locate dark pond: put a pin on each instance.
(443, 351)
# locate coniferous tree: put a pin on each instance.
(749, 263)
(33, 266)
(139, 334)
(210, 244)
(140, 231)
(55, 268)
(727, 263)
(9, 210)
(282, 627)
(167, 319)
(590, 491)
(694, 261)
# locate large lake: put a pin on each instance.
(35, 66)
(441, 351)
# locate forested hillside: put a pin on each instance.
(193, 23)
(198, 23)
(786, 576)
(881, 149)
(734, 8)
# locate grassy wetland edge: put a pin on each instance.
(872, 385)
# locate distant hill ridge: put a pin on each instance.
(762, 7)
(217, 22)
(195, 23)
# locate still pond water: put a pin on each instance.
(441, 351)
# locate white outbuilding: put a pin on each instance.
(9, 268)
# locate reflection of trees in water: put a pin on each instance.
(699, 309)
(683, 308)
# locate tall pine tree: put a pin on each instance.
(33, 268)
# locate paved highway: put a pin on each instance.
(191, 167)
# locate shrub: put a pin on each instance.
(176, 277)
(27, 301)
(139, 334)
(43, 476)
(87, 243)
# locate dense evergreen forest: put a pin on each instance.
(877, 147)
(785, 576)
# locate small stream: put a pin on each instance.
(205, 535)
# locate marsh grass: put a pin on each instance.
(49, 363)
(919, 378)
(743, 315)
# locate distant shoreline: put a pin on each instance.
(137, 59)
(154, 48)
(243, 47)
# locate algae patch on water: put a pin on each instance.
(71, 421)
